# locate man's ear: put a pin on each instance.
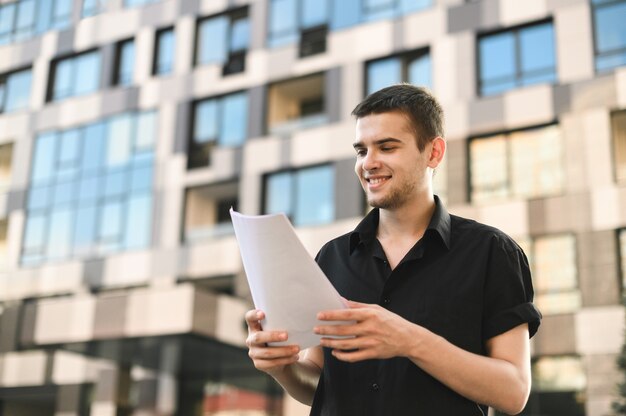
(437, 151)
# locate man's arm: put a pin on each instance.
(298, 372)
(500, 380)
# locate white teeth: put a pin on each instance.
(376, 181)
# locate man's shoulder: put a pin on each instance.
(466, 228)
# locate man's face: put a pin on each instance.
(389, 165)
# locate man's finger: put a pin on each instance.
(253, 319)
(264, 337)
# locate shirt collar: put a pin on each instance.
(439, 224)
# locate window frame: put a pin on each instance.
(594, 34)
(117, 61)
(156, 71)
(54, 63)
(515, 30)
(4, 78)
(406, 58)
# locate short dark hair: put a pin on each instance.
(416, 103)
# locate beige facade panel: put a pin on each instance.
(600, 330)
(23, 368)
(556, 337)
(575, 61)
(514, 12)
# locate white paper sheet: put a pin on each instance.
(285, 281)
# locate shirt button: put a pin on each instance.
(386, 301)
(375, 387)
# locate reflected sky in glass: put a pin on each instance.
(537, 48)
(279, 193)
(17, 91)
(233, 129)
(313, 12)
(213, 40)
(383, 73)
(315, 197)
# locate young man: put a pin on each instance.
(441, 305)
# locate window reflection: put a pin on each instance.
(524, 164)
(164, 52)
(610, 33)
(124, 63)
(413, 67)
(224, 40)
(91, 190)
(23, 19)
(15, 90)
(220, 121)
(516, 57)
(306, 195)
(76, 75)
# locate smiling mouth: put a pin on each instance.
(376, 181)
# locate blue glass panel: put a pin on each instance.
(497, 58)
(345, 13)
(44, 161)
(283, 22)
(63, 79)
(279, 193)
(89, 188)
(419, 71)
(25, 24)
(538, 78)
(138, 226)
(605, 63)
(234, 119)
(378, 9)
(146, 130)
(537, 48)
(407, 6)
(18, 90)
(64, 193)
(165, 52)
(115, 183)
(141, 179)
(38, 197)
(44, 15)
(93, 148)
(212, 40)
(69, 143)
(62, 13)
(313, 12)
(111, 221)
(205, 125)
(601, 1)
(87, 73)
(34, 235)
(120, 135)
(315, 200)
(7, 19)
(240, 34)
(127, 63)
(59, 242)
(497, 87)
(383, 73)
(85, 229)
(90, 8)
(610, 27)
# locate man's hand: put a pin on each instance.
(271, 360)
(375, 333)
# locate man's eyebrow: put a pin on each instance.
(360, 145)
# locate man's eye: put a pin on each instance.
(361, 152)
(387, 149)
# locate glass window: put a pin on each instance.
(283, 22)
(517, 57)
(618, 127)
(15, 90)
(224, 39)
(76, 75)
(124, 63)
(610, 33)
(313, 13)
(306, 195)
(91, 189)
(6, 155)
(296, 104)
(413, 67)
(164, 52)
(135, 3)
(23, 19)
(522, 164)
(555, 273)
(218, 121)
(207, 210)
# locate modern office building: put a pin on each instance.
(128, 128)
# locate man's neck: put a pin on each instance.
(408, 221)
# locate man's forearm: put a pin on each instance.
(300, 380)
(486, 380)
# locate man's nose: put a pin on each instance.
(371, 161)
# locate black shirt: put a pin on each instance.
(463, 280)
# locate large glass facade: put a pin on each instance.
(306, 196)
(23, 19)
(90, 190)
(15, 90)
(164, 52)
(516, 57)
(610, 33)
(288, 19)
(224, 40)
(76, 75)
(219, 121)
(413, 67)
(522, 164)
